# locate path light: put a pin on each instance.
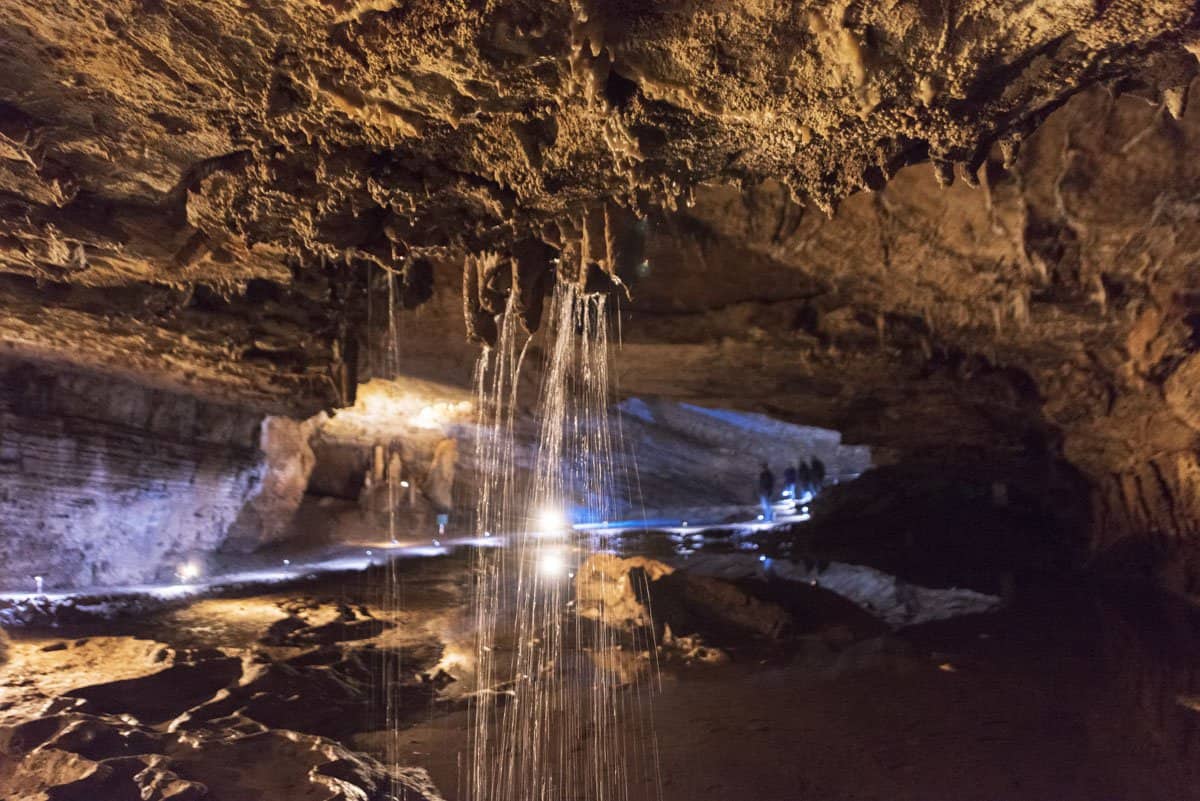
(551, 521)
(551, 563)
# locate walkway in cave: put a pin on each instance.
(290, 563)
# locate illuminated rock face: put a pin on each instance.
(111, 483)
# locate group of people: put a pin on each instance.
(799, 483)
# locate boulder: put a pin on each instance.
(604, 589)
(639, 592)
(717, 609)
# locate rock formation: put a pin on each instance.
(211, 198)
(1049, 315)
(108, 482)
(231, 723)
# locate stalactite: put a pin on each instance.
(531, 261)
(481, 324)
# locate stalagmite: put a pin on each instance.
(943, 171)
(1175, 101)
(970, 172)
(1010, 148)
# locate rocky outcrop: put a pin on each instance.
(288, 464)
(640, 593)
(1047, 316)
(242, 717)
(108, 482)
(78, 757)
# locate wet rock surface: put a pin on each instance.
(77, 757)
(164, 695)
(975, 707)
(244, 716)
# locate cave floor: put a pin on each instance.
(1026, 704)
(1059, 696)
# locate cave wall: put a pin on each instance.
(1052, 308)
(105, 482)
(195, 194)
(685, 456)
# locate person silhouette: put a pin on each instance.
(766, 488)
(818, 475)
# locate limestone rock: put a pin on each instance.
(119, 760)
(640, 592)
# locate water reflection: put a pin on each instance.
(1150, 653)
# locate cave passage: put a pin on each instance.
(898, 630)
(566, 400)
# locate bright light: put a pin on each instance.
(435, 415)
(760, 517)
(551, 521)
(428, 417)
(404, 484)
(188, 571)
(552, 563)
(385, 402)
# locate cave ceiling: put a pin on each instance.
(976, 217)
